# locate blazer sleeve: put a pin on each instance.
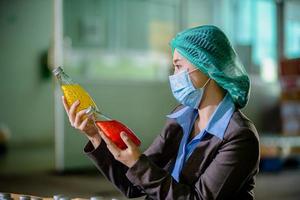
(115, 171)
(112, 169)
(236, 160)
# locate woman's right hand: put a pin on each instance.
(86, 126)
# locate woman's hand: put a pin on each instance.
(86, 126)
(128, 156)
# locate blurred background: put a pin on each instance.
(119, 51)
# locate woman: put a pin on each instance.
(208, 149)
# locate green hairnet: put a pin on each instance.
(208, 49)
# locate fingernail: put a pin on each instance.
(124, 134)
(77, 102)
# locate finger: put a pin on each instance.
(129, 143)
(78, 117)
(83, 124)
(114, 151)
(72, 111)
(109, 143)
(105, 138)
(65, 104)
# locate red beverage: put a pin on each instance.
(113, 128)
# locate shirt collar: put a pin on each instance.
(218, 121)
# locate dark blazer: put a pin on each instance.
(217, 169)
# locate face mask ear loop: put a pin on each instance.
(193, 70)
(206, 83)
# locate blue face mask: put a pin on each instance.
(184, 90)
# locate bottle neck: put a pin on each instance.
(62, 77)
(102, 116)
(96, 115)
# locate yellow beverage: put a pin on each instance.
(75, 92)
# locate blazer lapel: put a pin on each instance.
(200, 158)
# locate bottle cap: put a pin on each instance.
(36, 198)
(97, 198)
(90, 110)
(5, 196)
(57, 196)
(57, 70)
(24, 197)
(64, 198)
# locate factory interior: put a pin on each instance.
(119, 51)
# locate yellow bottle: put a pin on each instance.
(73, 91)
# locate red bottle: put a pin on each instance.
(112, 128)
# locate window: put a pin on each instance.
(120, 39)
(251, 27)
(292, 29)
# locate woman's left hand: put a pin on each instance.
(128, 156)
